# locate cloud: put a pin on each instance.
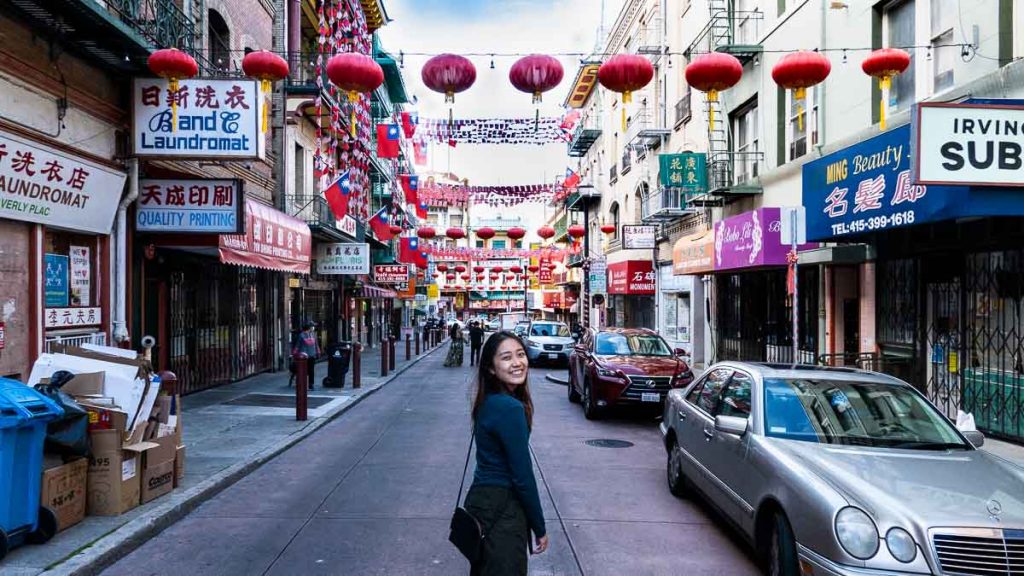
(478, 28)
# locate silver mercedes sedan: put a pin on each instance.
(834, 471)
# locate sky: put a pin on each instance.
(494, 26)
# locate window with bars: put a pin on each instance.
(897, 301)
(803, 123)
(745, 137)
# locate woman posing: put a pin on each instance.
(504, 491)
(454, 357)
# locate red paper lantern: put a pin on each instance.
(354, 73)
(174, 65)
(497, 269)
(266, 67)
(465, 276)
(798, 71)
(608, 228)
(516, 233)
(455, 233)
(450, 276)
(546, 232)
(884, 64)
(425, 232)
(436, 274)
(516, 269)
(712, 73)
(577, 231)
(625, 73)
(460, 268)
(533, 268)
(395, 229)
(536, 74)
(442, 267)
(478, 269)
(485, 233)
(494, 277)
(448, 74)
(480, 276)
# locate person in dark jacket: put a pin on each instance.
(504, 496)
(305, 342)
(476, 340)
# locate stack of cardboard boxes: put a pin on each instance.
(134, 431)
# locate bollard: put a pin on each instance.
(408, 347)
(391, 353)
(357, 361)
(417, 339)
(301, 385)
(384, 358)
(168, 382)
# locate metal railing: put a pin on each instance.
(627, 160)
(662, 199)
(311, 210)
(728, 169)
(683, 112)
(97, 338)
(165, 25)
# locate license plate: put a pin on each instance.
(552, 356)
(650, 397)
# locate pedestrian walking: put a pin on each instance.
(305, 342)
(456, 348)
(503, 496)
(476, 340)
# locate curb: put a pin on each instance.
(557, 380)
(108, 549)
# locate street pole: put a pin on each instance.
(585, 305)
(796, 286)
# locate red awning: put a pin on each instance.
(272, 240)
(376, 292)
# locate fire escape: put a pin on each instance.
(732, 173)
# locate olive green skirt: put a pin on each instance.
(507, 536)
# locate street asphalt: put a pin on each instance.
(372, 493)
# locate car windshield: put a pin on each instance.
(855, 413)
(549, 330)
(612, 344)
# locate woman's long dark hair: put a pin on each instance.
(487, 383)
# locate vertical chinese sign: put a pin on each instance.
(686, 173)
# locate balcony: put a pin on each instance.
(583, 138)
(664, 205)
(735, 32)
(583, 196)
(627, 160)
(314, 211)
(561, 227)
(731, 175)
(499, 224)
(683, 111)
(119, 34)
(643, 132)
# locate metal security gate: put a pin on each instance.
(220, 323)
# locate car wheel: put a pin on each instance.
(574, 396)
(590, 409)
(781, 553)
(674, 467)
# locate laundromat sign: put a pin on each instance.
(210, 119)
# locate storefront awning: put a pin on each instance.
(378, 292)
(694, 254)
(272, 240)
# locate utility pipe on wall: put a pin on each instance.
(120, 332)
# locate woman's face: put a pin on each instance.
(510, 364)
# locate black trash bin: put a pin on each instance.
(338, 358)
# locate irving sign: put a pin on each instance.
(213, 119)
(969, 144)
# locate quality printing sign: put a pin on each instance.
(969, 144)
(215, 118)
(190, 206)
(47, 186)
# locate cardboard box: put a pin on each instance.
(85, 384)
(179, 466)
(64, 492)
(115, 472)
(158, 468)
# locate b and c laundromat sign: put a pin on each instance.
(49, 186)
(976, 144)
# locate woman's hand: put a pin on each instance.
(542, 544)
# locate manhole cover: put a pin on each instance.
(608, 443)
(277, 401)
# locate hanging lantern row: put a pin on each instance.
(460, 268)
(455, 233)
(395, 229)
(485, 233)
(448, 74)
(478, 269)
(884, 64)
(546, 232)
(442, 267)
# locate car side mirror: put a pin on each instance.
(680, 352)
(731, 425)
(977, 439)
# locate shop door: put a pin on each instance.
(944, 345)
(851, 330)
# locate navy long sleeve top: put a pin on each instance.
(503, 454)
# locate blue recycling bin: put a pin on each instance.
(24, 414)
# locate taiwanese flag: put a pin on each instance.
(572, 179)
(387, 140)
(421, 210)
(411, 187)
(409, 122)
(419, 150)
(338, 194)
(381, 225)
(409, 252)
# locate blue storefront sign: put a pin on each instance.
(55, 278)
(868, 187)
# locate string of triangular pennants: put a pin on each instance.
(547, 130)
(465, 254)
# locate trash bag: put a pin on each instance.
(67, 436)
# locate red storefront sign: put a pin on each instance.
(635, 277)
(272, 240)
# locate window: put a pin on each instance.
(803, 123)
(479, 243)
(455, 220)
(550, 329)
(745, 128)
(944, 55)
(683, 113)
(898, 19)
(614, 344)
(746, 25)
(736, 399)
(300, 174)
(71, 273)
(706, 395)
(497, 244)
(220, 40)
(613, 213)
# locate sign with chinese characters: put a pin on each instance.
(634, 277)
(71, 317)
(969, 144)
(597, 275)
(639, 236)
(48, 186)
(433, 291)
(686, 172)
(340, 258)
(215, 118)
(81, 276)
(868, 187)
(407, 291)
(391, 273)
(272, 240)
(751, 240)
(190, 206)
(55, 280)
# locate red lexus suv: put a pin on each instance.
(624, 366)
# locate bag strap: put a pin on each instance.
(465, 467)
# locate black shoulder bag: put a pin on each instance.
(467, 533)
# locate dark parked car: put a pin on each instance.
(624, 366)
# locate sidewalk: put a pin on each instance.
(228, 432)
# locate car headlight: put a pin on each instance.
(532, 344)
(901, 545)
(857, 533)
(607, 372)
